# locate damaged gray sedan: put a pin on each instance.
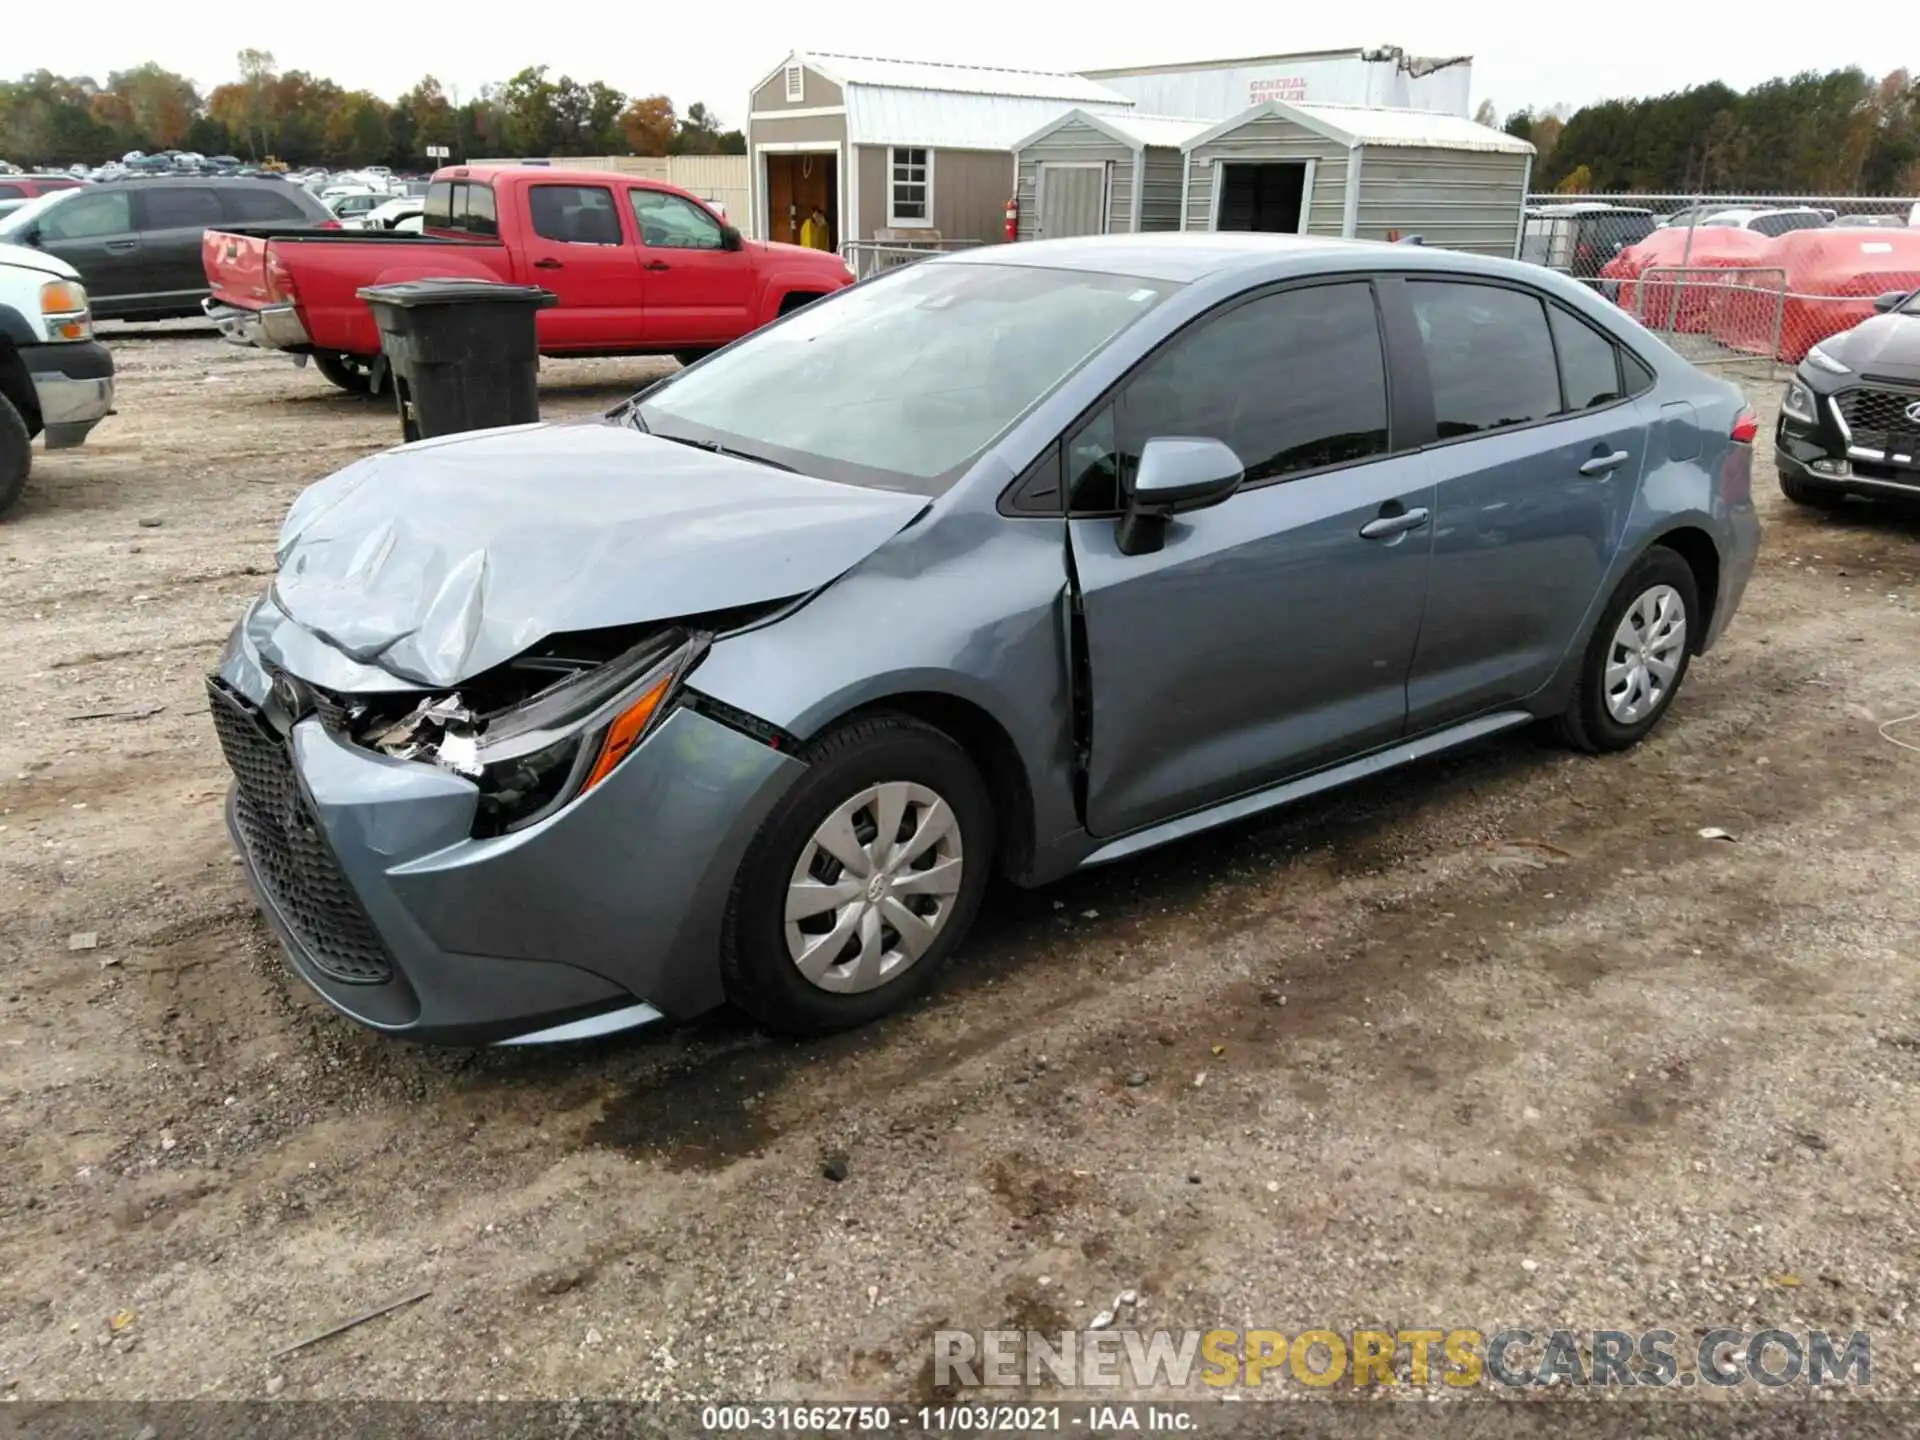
(1011, 562)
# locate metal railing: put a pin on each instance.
(1715, 316)
(869, 257)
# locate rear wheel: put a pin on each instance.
(863, 880)
(1812, 493)
(16, 453)
(1637, 657)
(687, 357)
(352, 373)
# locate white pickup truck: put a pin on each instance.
(55, 378)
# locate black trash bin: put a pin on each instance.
(463, 353)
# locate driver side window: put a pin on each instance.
(1291, 382)
(87, 217)
(668, 222)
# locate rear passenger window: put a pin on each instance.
(1292, 382)
(574, 214)
(253, 203)
(11, 192)
(438, 214)
(179, 207)
(1589, 365)
(481, 217)
(1634, 371)
(1488, 353)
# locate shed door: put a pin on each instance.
(1073, 200)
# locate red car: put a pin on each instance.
(640, 268)
(31, 187)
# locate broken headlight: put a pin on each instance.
(545, 728)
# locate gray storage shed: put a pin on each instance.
(1359, 171)
(1096, 174)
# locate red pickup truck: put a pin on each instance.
(640, 268)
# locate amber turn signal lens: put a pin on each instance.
(625, 732)
(64, 304)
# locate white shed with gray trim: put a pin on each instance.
(1095, 174)
(1359, 171)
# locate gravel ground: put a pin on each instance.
(1498, 1040)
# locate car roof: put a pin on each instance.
(1186, 256)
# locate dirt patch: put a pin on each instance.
(1498, 1039)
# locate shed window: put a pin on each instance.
(910, 186)
(796, 84)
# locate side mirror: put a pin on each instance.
(730, 238)
(1891, 301)
(1176, 473)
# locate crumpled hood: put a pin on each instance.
(1885, 345)
(442, 559)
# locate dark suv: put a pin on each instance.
(1850, 419)
(136, 243)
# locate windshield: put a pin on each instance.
(24, 217)
(900, 383)
(1782, 221)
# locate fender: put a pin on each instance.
(783, 281)
(16, 327)
(340, 320)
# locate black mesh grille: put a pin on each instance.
(289, 854)
(1879, 419)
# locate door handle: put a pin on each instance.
(656, 265)
(547, 264)
(1605, 464)
(120, 247)
(1385, 527)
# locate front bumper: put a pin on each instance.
(73, 386)
(1827, 453)
(604, 915)
(271, 327)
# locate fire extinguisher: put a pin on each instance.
(1013, 217)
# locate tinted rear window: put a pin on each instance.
(249, 202)
(1781, 224)
(461, 205)
(179, 207)
(1489, 354)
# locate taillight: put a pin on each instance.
(1746, 425)
(330, 225)
(279, 279)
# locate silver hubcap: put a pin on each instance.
(874, 887)
(1646, 653)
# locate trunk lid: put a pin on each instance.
(439, 560)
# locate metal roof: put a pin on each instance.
(1126, 127)
(882, 115)
(1352, 125)
(847, 70)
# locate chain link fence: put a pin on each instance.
(1741, 282)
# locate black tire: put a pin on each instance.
(687, 357)
(798, 300)
(760, 975)
(1587, 723)
(1812, 493)
(351, 373)
(16, 454)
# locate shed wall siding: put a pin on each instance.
(820, 91)
(969, 192)
(1457, 199)
(826, 131)
(1271, 138)
(1160, 189)
(1076, 144)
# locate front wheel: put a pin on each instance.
(352, 373)
(1637, 656)
(863, 880)
(16, 453)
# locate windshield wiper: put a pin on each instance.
(718, 449)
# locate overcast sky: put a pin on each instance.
(714, 50)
